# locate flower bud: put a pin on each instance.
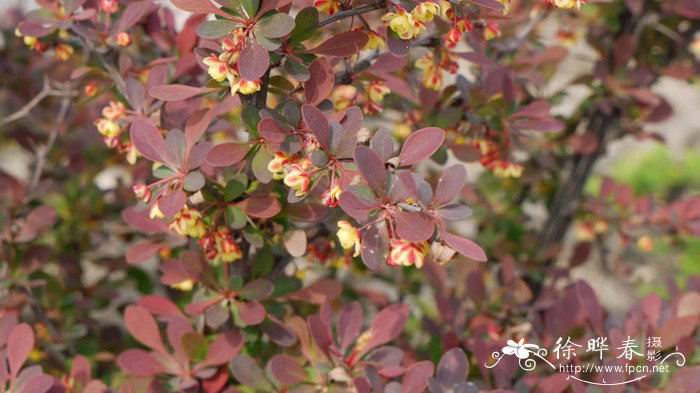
(349, 237)
(64, 52)
(184, 286)
(330, 196)
(90, 89)
(142, 192)
(442, 253)
(123, 39)
(363, 135)
(298, 180)
(405, 253)
(109, 6)
(276, 165)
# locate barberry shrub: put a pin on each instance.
(330, 195)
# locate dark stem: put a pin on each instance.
(353, 12)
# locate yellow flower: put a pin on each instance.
(298, 180)
(405, 253)
(226, 249)
(567, 4)
(505, 169)
(185, 285)
(349, 237)
(403, 24)
(155, 212)
(108, 128)
(645, 243)
(276, 165)
(374, 41)
(218, 69)
(328, 6)
(114, 110)
(377, 90)
(425, 11)
(491, 31)
(695, 47)
(330, 197)
(63, 52)
(343, 97)
(123, 39)
(188, 222)
(249, 87)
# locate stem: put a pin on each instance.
(355, 11)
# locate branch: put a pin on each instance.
(43, 151)
(353, 12)
(46, 91)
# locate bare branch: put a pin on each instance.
(353, 12)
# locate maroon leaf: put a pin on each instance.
(465, 247)
(258, 289)
(140, 363)
(454, 211)
(266, 206)
(320, 83)
(416, 377)
(414, 226)
(252, 313)
(172, 203)
(344, 44)
(176, 92)
(141, 252)
(349, 324)
(37, 220)
(375, 245)
(382, 143)
(247, 371)
(371, 168)
(320, 332)
(421, 145)
(589, 301)
(148, 140)
(140, 323)
(453, 368)
(271, 131)
(268, 5)
(19, 344)
(140, 220)
(287, 370)
(537, 109)
(450, 184)
(227, 154)
(396, 45)
(130, 16)
(318, 292)
(317, 123)
(159, 306)
(254, 61)
(278, 332)
(541, 125)
(199, 7)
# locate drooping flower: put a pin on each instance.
(374, 41)
(377, 90)
(188, 222)
(425, 11)
(226, 248)
(502, 168)
(123, 39)
(441, 253)
(276, 165)
(109, 6)
(184, 286)
(90, 89)
(567, 4)
(432, 76)
(349, 237)
(114, 110)
(298, 179)
(142, 192)
(405, 253)
(330, 196)
(244, 86)
(64, 52)
(452, 37)
(343, 97)
(403, 23)
(328, 6)
(491, 31)
(155, 211)
(218, 70)
(108, 128)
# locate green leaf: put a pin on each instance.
(305, 26)
(297, 70)
(251, 118)
(268, 43)
(235, 218)
(251, 7)
(195, 345)
(217, 28)
(286, 285)
(194, 181)
(264, 260)
(276, 25)
(235, 187)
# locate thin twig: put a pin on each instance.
(355, 11)
(43, 151)
(46, 91)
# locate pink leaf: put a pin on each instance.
(140, 220)
(342, 45)
(414, 226)
(371, 168)
(171, 204)
(130, 16)
(148, 140)
(320, 84)
(139, 363)
(199, 7)
(349, 324)
(227, 154)
(450, 184)
(421, 145)
(159, 306)
(141, 324)
(196, 126)
(287, 370)
(224, 348)
(386, 326)
(416, 377)
(141, 252)
(252, 313)
(254, 61)
(465, 247)
(541, 125)
(537, 109)
(19, 345)
(266, 206)
(176, 92)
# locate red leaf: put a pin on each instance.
(140, 220)
(539, 108)
(130, 16)
(414, 226)
(589, 301)
(141, 252)
(159, 306)
(318, 292)
(349, 324)
(196, 126)
(139, 363)
(268, 5)
(148, 140)
(421, 145)
(199, 7)
(254, 61)
(453, 367)
(465, 247)
(223, 349)
(287, 370)
(541, 125)
(271, 131)
(317, 123)
(19, 345)
(141, 324)
(320, 83)
(172, 203)
(450, 184)
(176, 92)
(375, 245)
(38, 384)
(386, 326)
(344, 44)
(371, 168)
(416, 377)
(227, 154)
(265, 206)
(676, 329)
(252, 313)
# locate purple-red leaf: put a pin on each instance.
(539, 108)
(414, 226)
(141, 324)
(139, 363)
(453, 368)
(386, 326)
(375, 245)
(176, 92)
(541, 125)
(371, 168)
(320, 83)
(265, 206)
(344, 44)
(465, 247)
(349, 324)
(416, 377)
(148, 140)
(450, 184)
(271, 131)
(19, 345)
(171, 204)
(421, 145)
(254, 61)
(199, 7)
(224, 348)
(141, 252)
(196, 126)
(227, 154)
(317, 123)
(287, 370)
